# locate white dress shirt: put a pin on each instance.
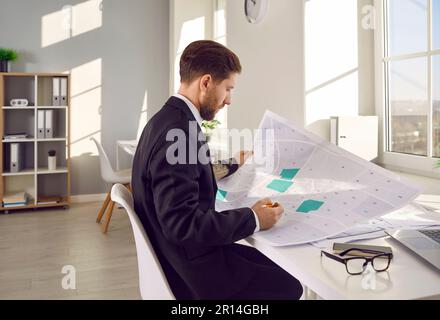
(199, 120)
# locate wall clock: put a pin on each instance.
(255, 10)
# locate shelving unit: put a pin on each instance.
(34, 178)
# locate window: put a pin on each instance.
(436, 24)
(411, 88)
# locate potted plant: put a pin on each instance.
(209, 127)
(6, 56)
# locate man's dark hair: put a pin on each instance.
(208, 57)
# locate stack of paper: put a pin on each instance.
(15, 200)
(14, 136)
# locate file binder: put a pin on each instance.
(16, 157)
(56, 91)
(48, 124)
(63, 92)
(40, 124)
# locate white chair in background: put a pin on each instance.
(152, 281)
(113, 177)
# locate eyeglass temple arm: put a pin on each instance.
(332, 256)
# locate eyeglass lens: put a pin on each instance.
(357, 266)
(381, 263)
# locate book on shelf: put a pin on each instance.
(13, 136)
(49, 199)
(18, 204)
(15, 199)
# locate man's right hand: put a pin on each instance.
(267, 216)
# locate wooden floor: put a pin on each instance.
(36, 245)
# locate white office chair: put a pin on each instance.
(113, 177)
(152, 281)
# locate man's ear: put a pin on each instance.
(205, 82)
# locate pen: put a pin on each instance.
(272, 205)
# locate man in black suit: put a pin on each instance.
(174, 193)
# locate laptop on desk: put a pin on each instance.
(425, 243)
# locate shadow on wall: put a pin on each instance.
(112, 67)
(26, 57)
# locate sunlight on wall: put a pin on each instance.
(87, 16)
(331, 56)
(53, 28)
(87, 76)
(86, 107)
(70, 21)
(220, 22)
(339, 98)
(85, 122)
(143, 116)
(191, 30)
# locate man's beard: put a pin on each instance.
(208, 110)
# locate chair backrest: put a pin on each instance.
(107, 172)
(152, 281)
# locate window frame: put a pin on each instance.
(421, 165)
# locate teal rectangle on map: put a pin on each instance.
(221, 195)
(289, 174)
(280, 185)
(310, 205)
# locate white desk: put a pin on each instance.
(129, 146)
(408, 277)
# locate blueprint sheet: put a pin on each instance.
(325, 190)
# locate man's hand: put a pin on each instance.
(242, 157)
(268, 215)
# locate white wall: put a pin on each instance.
(339, 62)
(304, 70)
(191, 20)
(367, 104)
(272, 55)
(118, 58)
(330, 49)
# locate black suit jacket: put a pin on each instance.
(176, 204)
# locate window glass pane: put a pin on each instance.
(436, 23)
(407, 26)
(436, 103)
(408, 94)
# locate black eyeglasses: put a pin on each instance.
(357, 265)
